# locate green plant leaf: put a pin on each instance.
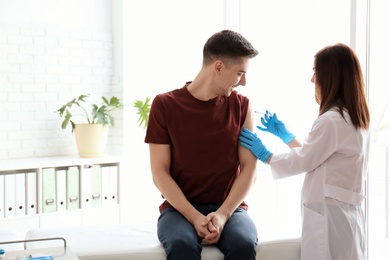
(99, 114)
(66, 119)
(114, 103)
(82, 98)
(143, 109)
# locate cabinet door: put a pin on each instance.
(20, 194)
(9, 195)
(85, 187)
(61, 189)
(114, 177)
(110, 184)
(73, 188)
(31, 193)
(49, 192)
(96, 185)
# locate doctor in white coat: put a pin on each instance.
(334, 157)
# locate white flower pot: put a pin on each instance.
(91, 139)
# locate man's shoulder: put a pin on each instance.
(237, 96)
(171, 93)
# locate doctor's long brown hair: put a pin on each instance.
(340, 78)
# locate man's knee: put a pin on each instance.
(241, 249)
(180, 248)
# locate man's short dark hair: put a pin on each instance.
(227, 44)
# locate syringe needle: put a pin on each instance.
(258, 112)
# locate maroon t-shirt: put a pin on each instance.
(203, 136)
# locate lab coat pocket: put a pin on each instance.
(314, 237)
(343, 195)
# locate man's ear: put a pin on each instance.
(218, 66)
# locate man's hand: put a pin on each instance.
(215, 224)
(203, 226)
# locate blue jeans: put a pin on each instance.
(237, 242)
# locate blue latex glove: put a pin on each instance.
(250, 141)
(273, 125)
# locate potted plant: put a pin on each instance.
(143, 109)
(90, 126)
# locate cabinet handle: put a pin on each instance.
(49, 201)
(73, 198)
(95, 196)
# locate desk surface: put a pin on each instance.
(60, 253)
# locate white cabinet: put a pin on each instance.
(59, 191)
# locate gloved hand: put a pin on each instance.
(250, 141)
(273, 125)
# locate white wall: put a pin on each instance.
(92, 15)
(50, 52)
(162, 50)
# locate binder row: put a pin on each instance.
(18, 194)
(62, 188)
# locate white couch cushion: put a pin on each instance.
(140, 242)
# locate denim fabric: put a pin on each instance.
(237, 242)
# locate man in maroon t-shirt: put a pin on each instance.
(196, 162)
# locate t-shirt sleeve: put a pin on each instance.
(157, 131)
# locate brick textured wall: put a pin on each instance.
(41, 69)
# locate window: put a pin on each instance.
(378, 195)
(163, 43)
(287, 35)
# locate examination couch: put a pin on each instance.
(120, 242)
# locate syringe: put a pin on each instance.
(258, 112)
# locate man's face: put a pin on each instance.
(232, 76)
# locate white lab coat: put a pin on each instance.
(334, 157)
